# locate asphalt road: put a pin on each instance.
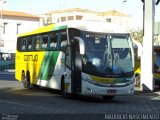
(19, 103)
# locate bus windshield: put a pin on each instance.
(107, 54)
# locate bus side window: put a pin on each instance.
(53, 42)
(23, 45)
(63, 44)
(37, 43)
(63, 41)
(19, 42)
(44, 41)
(30, 44)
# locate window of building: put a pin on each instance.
(49, 19)
(4, 27)
(63, 19)
(1, 43)
(108, 20)
(58, 20)
(70, 17)
(18, 28)
(79, 17)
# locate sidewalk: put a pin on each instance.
(155, 93)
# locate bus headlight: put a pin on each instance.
(93, 82)
(86, 79)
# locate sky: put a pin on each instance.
(131, 7)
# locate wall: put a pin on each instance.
(10, 36)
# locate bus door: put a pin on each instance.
(76, 68)
(74, 64)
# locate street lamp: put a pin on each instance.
(122, 10)
(1, 17)
(2, 2)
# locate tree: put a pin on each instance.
(137, 35)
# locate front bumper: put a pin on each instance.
(91, 89)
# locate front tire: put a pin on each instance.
(63, 93)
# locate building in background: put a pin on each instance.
(111, 16)
(13, 23)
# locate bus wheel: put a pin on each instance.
(137, 80)
(26, 80)
(108, 97)
(62, 88)
(63, 93)
(35, 86)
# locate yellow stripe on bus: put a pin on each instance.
(40, 30)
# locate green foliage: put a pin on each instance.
(137, 35)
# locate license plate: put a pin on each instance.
(111, 91)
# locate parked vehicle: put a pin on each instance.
(7, 61)
(156, 65)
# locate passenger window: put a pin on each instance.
(44, 42)
(53, 41)
(29, 44)
(23, 45)
(63, 42)
(37, 43)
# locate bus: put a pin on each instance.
(156, 64)
(77, 57)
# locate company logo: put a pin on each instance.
(31, 58)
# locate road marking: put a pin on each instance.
(26, 105)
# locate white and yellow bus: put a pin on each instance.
(77, 57)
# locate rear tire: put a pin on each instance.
(35, 86)
(63, 93)
(26, 80)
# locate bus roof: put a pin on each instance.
(94, 26)
(43, 29)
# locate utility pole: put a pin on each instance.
(147, 81)
(1, 22)
(122, 11)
